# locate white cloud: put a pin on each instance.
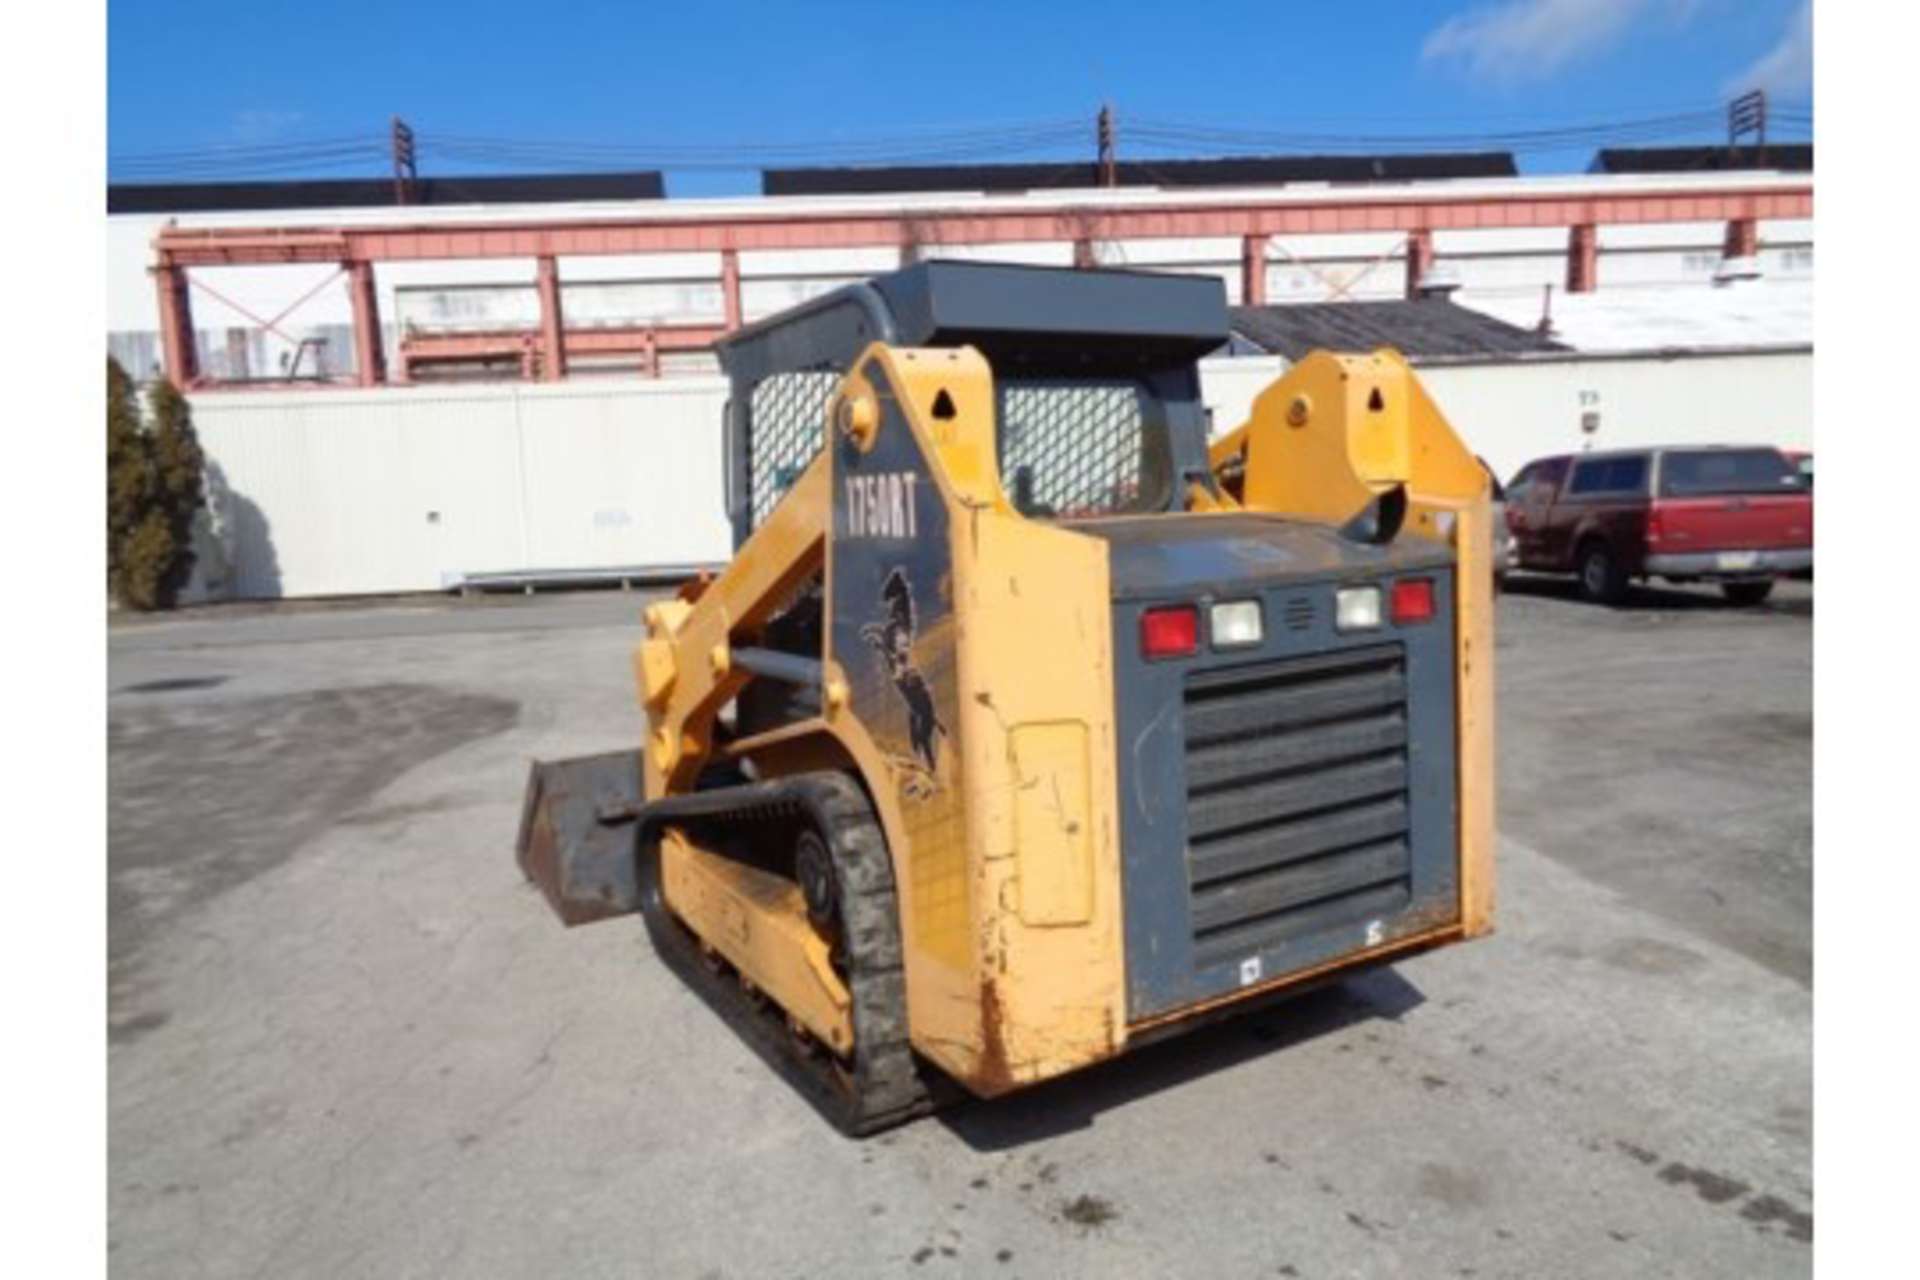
(1528, 39)
(1786, 70)
(1520, 40)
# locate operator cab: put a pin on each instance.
(1096, 379)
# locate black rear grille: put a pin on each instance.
(1297, 810)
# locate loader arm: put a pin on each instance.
(686, 668)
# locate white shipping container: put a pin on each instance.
(421, 489)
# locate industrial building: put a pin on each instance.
(511, 380)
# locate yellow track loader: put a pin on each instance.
(1026, 725)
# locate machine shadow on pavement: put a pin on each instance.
(1074, 1102)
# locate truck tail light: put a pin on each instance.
(1171, 632)
(1412, 601)
(1656, 524)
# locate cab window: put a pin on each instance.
(1610, 476)
(1718, 472)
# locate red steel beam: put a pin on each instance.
(730, 286)
(1743, 238)
(1253, 271)
(737, 233)
(1583, 258)
(369, 357)
(553, 351)
(1419, 259)
(177, 346)
(636, 340)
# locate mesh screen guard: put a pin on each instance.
(1067, 447)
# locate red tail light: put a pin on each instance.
(1172, 632)
(1412, 601)
(1656, 524)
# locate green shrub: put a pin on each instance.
(155, 490)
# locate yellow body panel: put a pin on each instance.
(1329, 437)
(1037, 698)
(1052, 843)
(759, 923)
(1000, 995)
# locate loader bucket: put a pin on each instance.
(577, 834)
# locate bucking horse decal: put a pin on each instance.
(892, 638)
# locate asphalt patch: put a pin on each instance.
(204, 795)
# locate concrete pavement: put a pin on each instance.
(347, 1040)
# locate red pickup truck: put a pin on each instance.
(1740, 516)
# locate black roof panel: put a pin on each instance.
(357, 193)
(1422, 328)
(1239, 171)
(1017, 315)
(1791, 157)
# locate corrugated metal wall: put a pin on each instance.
(350, 493)
(1512, 414)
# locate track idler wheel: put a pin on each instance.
(813, 868)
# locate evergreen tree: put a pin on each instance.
(127, 475)
(178, 469)
(154, 491)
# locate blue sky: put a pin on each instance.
(194, 76)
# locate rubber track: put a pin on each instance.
(882, 1086)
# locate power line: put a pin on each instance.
(372, 153)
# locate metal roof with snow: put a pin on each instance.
(1751, 315)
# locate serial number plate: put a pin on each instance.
(1737, 560)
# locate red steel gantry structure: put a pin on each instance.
(1415, 213)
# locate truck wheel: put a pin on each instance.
(1601, 578)
(1747, 593)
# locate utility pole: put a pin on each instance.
(1747, 114)
(1108, 169)
(405, 174)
